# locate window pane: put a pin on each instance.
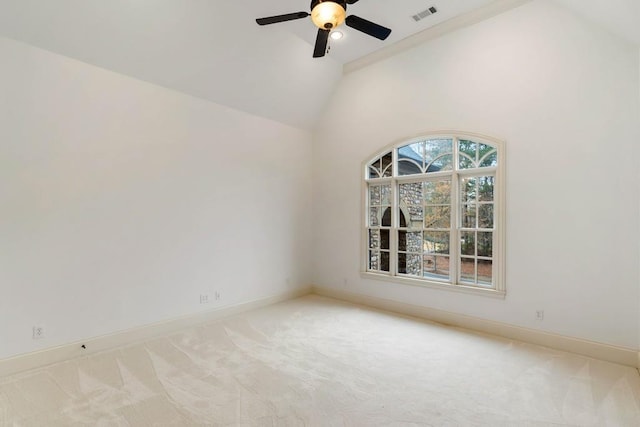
(436, 242)
(413, 265)
(429, 265)
(374, 239)
(468, 270)
(467, 154)
(374, 195)
(416, 215)
(406, 167)
(431, 155)
(387, 167)
(384, 261)
(485, 216)
(490, 160)
(468, 216)
(468, 190)
(381, 167)
(374, 260)
(403, 219)
(437, 192)
(465, 162)
(411, 159)
(414, 241)
(436, 267)
(442, 163)
(386, 218)
(467, 147)
(434, 149)
(485, 188)
(414, 152)
(485, 244)
(385, 194)
(411, 202)
(437, 217)
(485, 271)
(402, 263)
(483, 150)
(402, 241)
(384, 239)
(374, 217)
(410, 194)
(442, 266)
(468, 243)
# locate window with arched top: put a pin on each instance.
(434, 213)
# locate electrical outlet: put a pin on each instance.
(38, 332)
(204, 299)
(217, 296)
(539, 314)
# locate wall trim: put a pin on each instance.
(489, 11)
(607, 352)
(49, 356)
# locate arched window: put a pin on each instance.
(434, 213)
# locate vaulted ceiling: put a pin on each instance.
(620, 17)
(213, 49)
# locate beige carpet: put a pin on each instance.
(317, 362)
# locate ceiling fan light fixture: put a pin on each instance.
(328, 15)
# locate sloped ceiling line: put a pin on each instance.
(215, 50)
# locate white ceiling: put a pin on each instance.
(213, 49)
(620, 17)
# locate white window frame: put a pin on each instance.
(498, 289)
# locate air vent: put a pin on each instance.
(421, 15)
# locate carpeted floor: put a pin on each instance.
(318, 362)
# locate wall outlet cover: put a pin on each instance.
(38, 332)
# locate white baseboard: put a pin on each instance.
(21, 363)
(610, 353)
(65, 352)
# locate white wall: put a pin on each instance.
(563, 94)
(121, 202)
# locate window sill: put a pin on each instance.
(492, 293)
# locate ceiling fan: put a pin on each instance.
(327, 15)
